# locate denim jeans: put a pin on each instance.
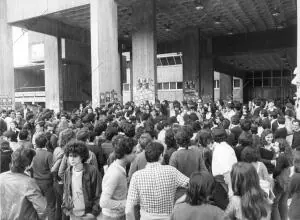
(280, 207)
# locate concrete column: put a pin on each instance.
(225, 86)
(191, 62)
(7, 87)
(197, 65)
(296, 80)
(206, 69)
(104, 43)
(144, 48)
(53, 73)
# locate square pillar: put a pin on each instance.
(198, 72)
(226, 91)
(206, 69)
(144, 48)
(53, 73)
(106, 74)
(7, 87)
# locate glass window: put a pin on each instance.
(216, 84)
(257, 82)
(158, 62)
(267, 74)
(172, 85)
(276, 82)
(171, 60)
(178, 60)
(179, 85)
(166, 85)
(164, 61)
(267, 82)
(159, 86)
(236, 83)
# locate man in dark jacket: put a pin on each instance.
(82, 184)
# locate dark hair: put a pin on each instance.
(21, 158)
(250, 154)
(23, 134)
(200, 189)
(144, 116)
(203, 138)
(100, 127)
(129, 130)
(264, 112)
(110, 132)
(245, 125)
(281, 120)
(245, 184)
(296, 160)
(182, 137)
(65, 136)
(10, 134)
(144, 140)
(170, 139)
(153, 151)
(124, 147)
(41, 141)
(263, 135)
(83, 135)
(77, 148)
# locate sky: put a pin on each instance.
(20, 46)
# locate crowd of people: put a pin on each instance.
(167, 160)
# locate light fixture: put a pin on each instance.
(276, 12)
(281, 25)
(230, 32)
(126, 34)
(167, 27)
(198, 5)
(217, 21)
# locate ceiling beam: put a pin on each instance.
(55, 28)
(221, 67)
(255, 42)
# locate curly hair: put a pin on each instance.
(65, 136)
(110, 132)
(203, 138)
(129, 129)
(170, 139)
(250, 154)
(182, 137)
(77, 148)
(124, 147)
(201, 187)
(21, 158)
(153, 151)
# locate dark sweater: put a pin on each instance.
(188, 212)
(41, 165)
(294, 192)
(296, 139)
(266, 157)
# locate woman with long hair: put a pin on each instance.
(198, 202)
(249, 201)
(268, 150)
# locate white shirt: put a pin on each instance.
(223, 158)
(77, 194)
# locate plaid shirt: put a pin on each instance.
(154, 188)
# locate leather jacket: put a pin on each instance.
(20, 197)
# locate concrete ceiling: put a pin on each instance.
(236, 17)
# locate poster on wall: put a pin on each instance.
(190, 92)
(102, 98)
(6, 102)
(144, 91)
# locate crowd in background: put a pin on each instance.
(166, 160)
